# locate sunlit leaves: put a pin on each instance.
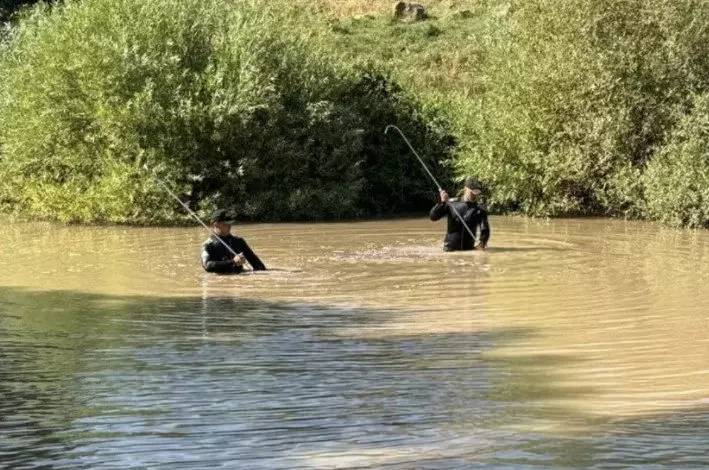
(231, 103)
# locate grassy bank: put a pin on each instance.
(561, 108)
(569, 107)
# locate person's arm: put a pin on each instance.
(484, 229)
(216, 266)
(254, 261)
(440, 209)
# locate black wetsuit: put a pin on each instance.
(217, 259)
(457, 237)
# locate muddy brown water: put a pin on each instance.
(568, 344)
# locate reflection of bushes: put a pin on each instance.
(677, 179)
(225, 106)
(577, 97)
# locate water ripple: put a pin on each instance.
(569, 343)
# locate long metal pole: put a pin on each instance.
(191, 213)
(423, 164)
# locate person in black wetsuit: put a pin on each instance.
(216, 258)
(457, 237)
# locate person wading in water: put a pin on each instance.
(457, 236)
(216, 258)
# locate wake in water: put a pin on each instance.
(273, 272)
(427, 253)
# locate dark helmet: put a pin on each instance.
(473, 184)
(223, 215)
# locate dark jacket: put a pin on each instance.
(457, 237)
(217, 259)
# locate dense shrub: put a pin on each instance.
(560, 107)
(230, 103)
(577, 96)
(9, 7)
(677, 178)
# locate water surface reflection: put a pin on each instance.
(573, 344)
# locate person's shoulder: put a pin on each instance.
(213, 241)
(459, 203)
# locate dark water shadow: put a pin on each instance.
(98, 381)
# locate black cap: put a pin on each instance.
(473, 184)
(223, 215)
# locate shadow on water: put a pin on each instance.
(97, 381)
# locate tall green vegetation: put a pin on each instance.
(560, 107)
(580, 97)
(677, 178)
(9, 7)
(230, 103)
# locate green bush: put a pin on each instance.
(577, 95)
(10, 8)
(230, 103)
(677, 178)
(560, 107)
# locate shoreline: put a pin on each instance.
(188, 223)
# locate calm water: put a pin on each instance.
(569, 344)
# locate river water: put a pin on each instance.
(568, 344)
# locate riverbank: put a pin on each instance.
(560, 108)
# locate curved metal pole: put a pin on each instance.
(191, 213)
(391, 126)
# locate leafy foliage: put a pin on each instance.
(9, 7)
(677, 179)
(578, 97)
(229, 105)
(560, 107)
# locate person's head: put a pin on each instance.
(222, 221)
(471, 189)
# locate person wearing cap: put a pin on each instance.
(457, 236)
(217, 258)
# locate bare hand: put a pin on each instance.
(482, 246)
(239, 260)
(444, 196)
